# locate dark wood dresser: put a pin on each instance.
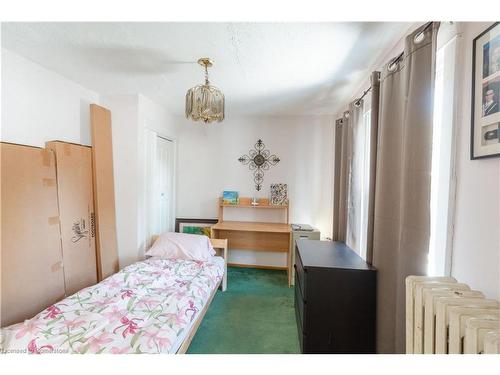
(335, 298)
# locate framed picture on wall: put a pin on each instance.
(194, 226)
(485, 113)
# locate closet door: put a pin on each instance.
(31, 260)
(164, 176)
(76, 213)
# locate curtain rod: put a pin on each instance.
(394, 61)
(358, 100)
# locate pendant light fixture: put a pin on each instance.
(205, 102)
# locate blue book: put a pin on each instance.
(230, 197)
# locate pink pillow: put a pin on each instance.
(172, 245)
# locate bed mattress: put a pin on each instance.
(148, 307)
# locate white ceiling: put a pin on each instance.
(262, 68)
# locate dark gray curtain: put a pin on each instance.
(340, 180)
(336, 177)
(375, 85)
(401, 213)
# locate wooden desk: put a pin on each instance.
(247, 235)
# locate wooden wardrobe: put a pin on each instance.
(53, 242)
(31, 256)
(76, 213)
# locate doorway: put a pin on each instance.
(159, 186)
(164, 184)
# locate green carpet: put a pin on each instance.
(254, 315)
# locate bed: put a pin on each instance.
(152, 306)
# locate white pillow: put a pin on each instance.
(172, 245)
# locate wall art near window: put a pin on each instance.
(194, 226)
(279, 194)
(259, 159)
(485, 118)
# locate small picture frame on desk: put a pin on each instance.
(194, 226)
(230, 197)
(279, 194)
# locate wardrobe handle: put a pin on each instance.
(92, 224)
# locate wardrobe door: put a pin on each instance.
(76, 213)
(31, 260)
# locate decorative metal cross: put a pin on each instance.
(259, 160)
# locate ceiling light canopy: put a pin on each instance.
(205, 102)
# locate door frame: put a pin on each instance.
(146, 241)
(174, 178)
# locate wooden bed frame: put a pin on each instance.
(220, 245)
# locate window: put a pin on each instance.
(357, 225)
(442, 154)
(365, 190)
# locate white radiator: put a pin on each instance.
(492, 342)
(443, 316)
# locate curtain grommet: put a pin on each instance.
(392, 66)
(419, 38)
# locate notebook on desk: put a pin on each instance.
(302, 227)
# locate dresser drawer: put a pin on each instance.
(300, 275)
(300, 307)
(300, 328)
(298, 317)
(302, 342)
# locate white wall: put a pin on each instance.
(131, 114)
(208, 164)
(124, 120)
(476, 250)
(39, 105)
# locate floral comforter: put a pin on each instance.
(144, 308)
